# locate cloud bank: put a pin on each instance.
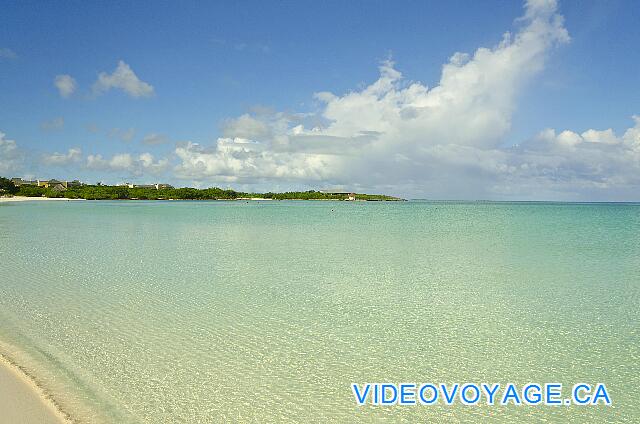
(394, 132)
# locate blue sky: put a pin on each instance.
(207, 65)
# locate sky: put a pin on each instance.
(535, 100)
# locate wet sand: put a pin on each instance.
(22, 402)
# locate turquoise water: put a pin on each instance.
(267, 311)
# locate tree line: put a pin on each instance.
(104, 192)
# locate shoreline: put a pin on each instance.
(28, 199)
(22, 400)
(239, 199)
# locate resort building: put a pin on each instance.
(46, 183)
(156, 186)
(350, 195)
(19, 182)
(51, 183)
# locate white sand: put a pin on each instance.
(25, 199)
(22, 402)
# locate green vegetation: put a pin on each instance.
(7, 186)
(102, 192)
(91, 192)
(317, 195)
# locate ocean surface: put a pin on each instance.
(154, 312)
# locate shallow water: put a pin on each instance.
(267, 311)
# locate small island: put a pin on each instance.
(78, 190)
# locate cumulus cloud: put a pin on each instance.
(393, 132)
(403, 137)
(595, 162)
(10, 155)
(73, 155)
(123, 78)
(246, 126)
(65, 84)
(149, 164)
(242, 160)
(128, 164)
(121, 161)
(54, 124)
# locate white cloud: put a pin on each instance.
(54, 124)
(65, 84)
(594, 164)
(242, 160)
(127, 164)
(122, 161)
(606, 136)
(73, 155)
(148, 163)
(246, 126)
(125, 79)
(393, 132)
(399, 136)
(10, 155)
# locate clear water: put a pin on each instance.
(267, 311)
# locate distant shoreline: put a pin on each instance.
(238, 199)
(76, 190)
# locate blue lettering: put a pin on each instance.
(553, 396)
(601, 392)
(423, 389)
(491, 392)
(463, 394)
(449, 396)
(576, 394)
(360, 397)
(407, 394)
(384, 389)
(532, 398)
(511, 394)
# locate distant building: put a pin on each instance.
(156, 186)
(350, 195)
(52, 183)
(46, 183)
(335, 191)
(19, 182)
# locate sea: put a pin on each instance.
(269, 311)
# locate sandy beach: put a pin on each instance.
(28, 199)
(21, 401)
